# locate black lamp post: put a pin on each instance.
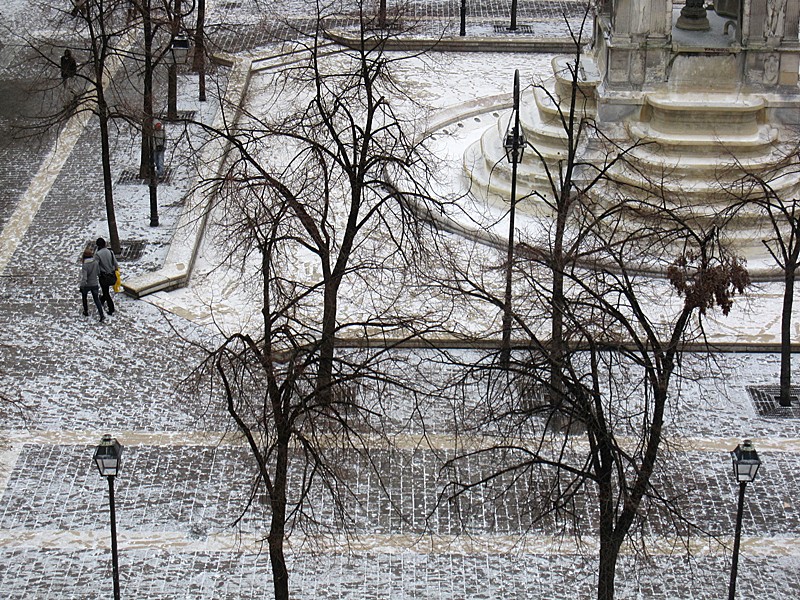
(745, 466)
(513, 25)
(107, 457)
(514, 145)
(178, 51)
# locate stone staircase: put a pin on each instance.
(686, 151)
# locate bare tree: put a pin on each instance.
(608, 368)
(619, 370)
(307, 185)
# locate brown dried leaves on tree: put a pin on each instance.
(705, 285)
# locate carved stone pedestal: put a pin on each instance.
(693, 16)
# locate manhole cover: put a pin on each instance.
(766, 401)
(129, 249)
(525, 29)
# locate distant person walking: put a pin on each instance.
(159, 145)
(69, 68)
(89, 283)
(108, 265)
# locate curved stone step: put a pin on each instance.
(703, 122)
(703, 112)
(712, 163)
(704, 142)
(491, 145)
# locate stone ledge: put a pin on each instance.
(189, 232)
(462, 44)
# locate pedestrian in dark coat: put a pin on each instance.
(108, 272)
(69, 68)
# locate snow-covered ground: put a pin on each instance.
(449, 85)
(183, 483)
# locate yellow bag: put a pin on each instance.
(118, 282)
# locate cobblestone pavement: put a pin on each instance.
(245, 28)
(184, 485)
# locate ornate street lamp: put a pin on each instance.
(107, 458)
(179, 50)
(514, 145)
(745, 466)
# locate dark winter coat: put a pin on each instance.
(69, 68)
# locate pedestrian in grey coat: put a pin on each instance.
(89, 283)
(159, 145)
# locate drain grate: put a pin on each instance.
(129, 249)
(183, 115)
(130, 176)
(766, 401)
(524, 29)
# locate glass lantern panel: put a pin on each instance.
(746, 470)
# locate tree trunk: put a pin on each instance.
(609, 549)
(786, 336)
(607, 568)
(277, 530)
(382, 14)
(108, 190)
(172, 70)
(563, 198)
(199, 59)
(172, 92)
(557, 319)
(147, 96)
(105, 150)
(327, 346)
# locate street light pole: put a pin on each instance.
(736, 541)
(114, 554)
(152, 188)
(107, 458)
(514, 145)
(179, 49)
(172, 73)
(745, 466)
